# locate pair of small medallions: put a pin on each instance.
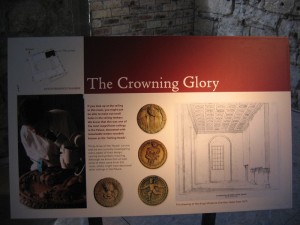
(152, 190)
(151, 118)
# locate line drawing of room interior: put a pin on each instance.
(226, 147)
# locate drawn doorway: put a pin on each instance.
(220, 168)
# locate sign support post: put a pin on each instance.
(208, 218)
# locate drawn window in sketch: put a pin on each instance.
(220, 159)
(217, 157)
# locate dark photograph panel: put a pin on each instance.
(51, 151)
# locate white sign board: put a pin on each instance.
(127, 126)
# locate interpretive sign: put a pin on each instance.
(127, 126)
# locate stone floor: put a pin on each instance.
(266, 217)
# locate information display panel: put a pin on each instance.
(127, 126)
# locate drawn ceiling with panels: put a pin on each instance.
(222, 117)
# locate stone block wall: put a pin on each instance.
(142, 17)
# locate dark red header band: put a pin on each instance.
(185, 64)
